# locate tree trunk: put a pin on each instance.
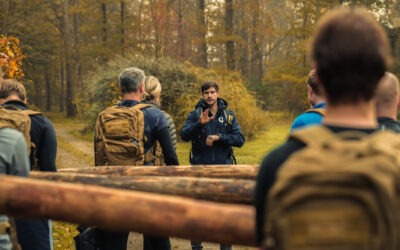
(202, 33)
(117, 210)
(256, 51)
(181, 33)
(104, 28)
(209, 171)
(219, 190)
(49, 92)
(122, 30)
(62, 85)
(230, 46)
(70, 100)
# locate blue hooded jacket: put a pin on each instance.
(229, 132)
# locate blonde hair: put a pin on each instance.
(387, 92)
(152, 88)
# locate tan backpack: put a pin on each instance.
(340, 192)
(13, 117)
(119, 138)
(320, 111)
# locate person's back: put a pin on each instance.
(154, 128)
(387, 102)
(315, 96)
(34, 233)
(152, 95)
(13, 161)
(351, 53)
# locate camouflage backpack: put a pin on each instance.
(339, 192)
(13, 117)
(119, 136)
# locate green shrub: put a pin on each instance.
(180, 90)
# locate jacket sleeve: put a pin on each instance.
(192, 127)
(234, 137)
(164, 138)
(47, 151)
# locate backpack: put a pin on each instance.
(119, 138)
(320, 111)
(339, 192)
(13, 117)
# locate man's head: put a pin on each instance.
(351, 53)
(11, 89)
(387, 96)
(315, 91)
(131, 80)
(210, 92)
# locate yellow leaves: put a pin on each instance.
(11, 57)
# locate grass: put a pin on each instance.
(252, 152)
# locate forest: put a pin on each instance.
(69, 53)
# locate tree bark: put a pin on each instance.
(210, 171)
(230, 46)
(219, 190)
(70, 100)
(202, 34)
(122, 29)
(118, 210)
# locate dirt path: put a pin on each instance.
(73, 152)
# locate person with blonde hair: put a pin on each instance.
(152, 93)
(388, 102)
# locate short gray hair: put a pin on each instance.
(130, 79)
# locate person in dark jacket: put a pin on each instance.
(33, 233)
(13, 161)
(213, 131)
(351, 53)
(387, 102)
(131, 82)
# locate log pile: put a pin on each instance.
(120, 210)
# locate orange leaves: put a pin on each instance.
(11, 57)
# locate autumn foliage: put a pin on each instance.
(11, 57)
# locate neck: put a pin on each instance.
(214, 108)
(391, 113)
(11, 97)
(360, 115)
(134, 96)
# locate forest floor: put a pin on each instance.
(74, 151)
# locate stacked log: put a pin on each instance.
(220, 190)
(209, 171)
(119, 210)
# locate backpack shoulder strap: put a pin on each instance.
(313, 135)
(321, 111)
(30, 112)
(141, 106)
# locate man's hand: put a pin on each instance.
(205, 118)
(210, 139)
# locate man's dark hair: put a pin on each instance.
(313, 82)
(207, 85)
(351, 52)
(130, 79)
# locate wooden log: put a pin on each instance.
(120, 210)
(212, 189)
(210, 171)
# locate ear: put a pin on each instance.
(141, 88)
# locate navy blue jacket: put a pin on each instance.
(36, 234)
(230, 135)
